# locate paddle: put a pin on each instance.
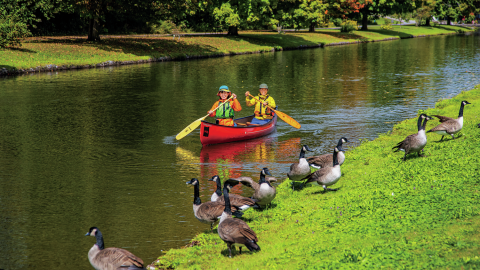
(196, 123)
(289, 120)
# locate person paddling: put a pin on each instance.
(262, 113)
(226, 112)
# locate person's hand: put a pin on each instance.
(210, 112)
(247, 93)
(234, 96)
(265, 103)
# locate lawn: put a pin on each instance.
(47, 53)
(419, 214)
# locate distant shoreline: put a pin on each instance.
(91, 53)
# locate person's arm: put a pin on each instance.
(236, 105)
(271, 102)
(250, 102)
(212, 111)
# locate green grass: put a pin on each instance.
(418, 214)
(76, 51)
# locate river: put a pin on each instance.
(97, 147)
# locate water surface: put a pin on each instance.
(97, 147)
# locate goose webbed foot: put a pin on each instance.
(330, 189)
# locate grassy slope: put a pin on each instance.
(76, 51)
(422, 213)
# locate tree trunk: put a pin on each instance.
(449, 21)
(311, 28)
(427, 22)
(364, 18)
(232, 31)
(93, 30)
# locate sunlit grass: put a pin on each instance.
(387, 214)
(76, 51)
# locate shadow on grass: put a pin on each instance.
(390, 33)
(7, 67)
(139, 46)
(19, 49)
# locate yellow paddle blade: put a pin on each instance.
(190, 128)
(289, 120)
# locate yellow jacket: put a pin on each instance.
(262, 112)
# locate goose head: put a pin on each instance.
(465, 102)
(340, 143)
(217, 180)
(95, 232)
(193, 182)
(264, 172)
(304, 149)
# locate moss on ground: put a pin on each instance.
(387, 213)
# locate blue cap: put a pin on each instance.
(223, 88)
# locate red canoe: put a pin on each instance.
(212, 133)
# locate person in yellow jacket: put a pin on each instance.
(262, 113)
(226, 112)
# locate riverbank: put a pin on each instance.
(44, 54)
(387, 213)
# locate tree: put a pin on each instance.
(384, 8)
(311, 13)
(16, 16)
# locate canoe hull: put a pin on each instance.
(212, 133)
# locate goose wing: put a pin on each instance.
(443, 118)
(247, 181)
(406, 143)
(318, 174)
(237, 200)
(118, 258)
(270, 179)
(321, 161)
(211, 210)
(450, 126)
(237, 231)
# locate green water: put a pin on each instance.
(97, 147)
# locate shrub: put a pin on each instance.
(337, 22)
(12, 30)
(387, 25)
(348, 26)
(162, 27)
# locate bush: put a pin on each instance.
(348, 26)
(162, 27)
(12, 30)
(387, 25)
(337, 22)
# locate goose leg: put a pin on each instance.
(240, 250)
(453, 136)
(442, 138)
(405, 157)
(229, 250)
(293, 185)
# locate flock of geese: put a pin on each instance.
(224, 206)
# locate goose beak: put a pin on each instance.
(308, 149)
(87, 234)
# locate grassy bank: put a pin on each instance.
(57, 53)
(422, 213)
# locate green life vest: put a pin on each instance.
(225, 111)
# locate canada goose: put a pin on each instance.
(111, 258)
(301, 169)
(264, 191)
(326, 160)
(450, 126)
(235, 231)
(416, 142)
(208, 212)
(236, 200)
(327, 176)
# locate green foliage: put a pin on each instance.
(388, 214)
(337, 22)
(348, 26)
(12, 30)
(387, 25)
(162, 27)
